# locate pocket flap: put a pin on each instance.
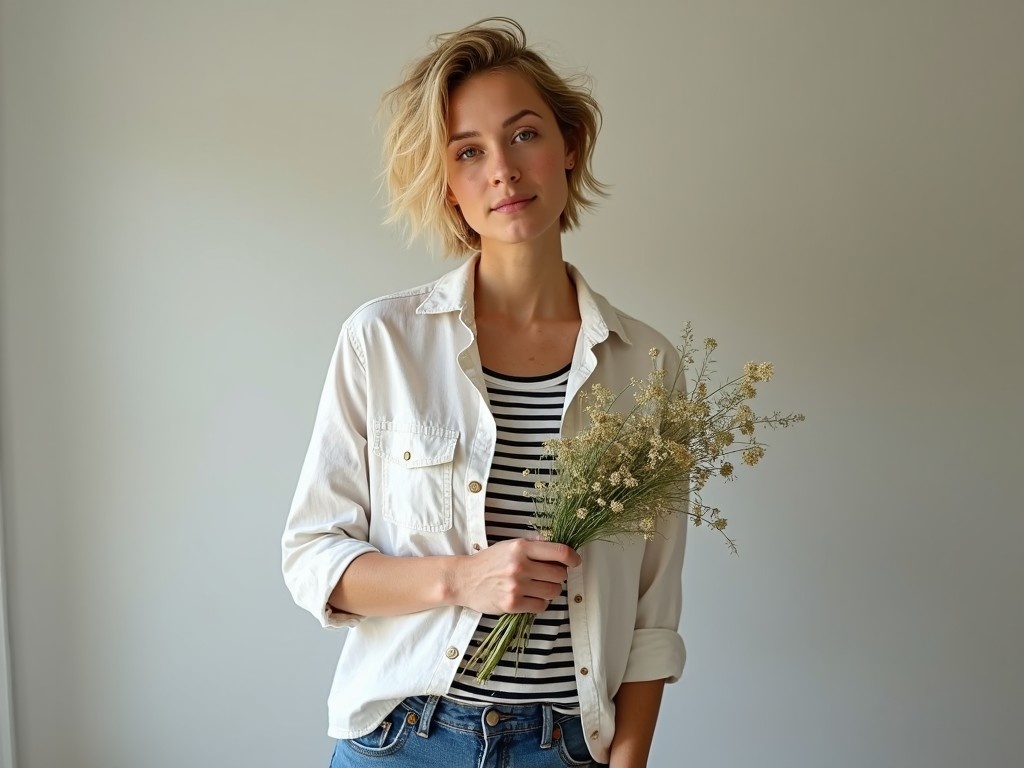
(414, 445)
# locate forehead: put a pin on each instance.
(488, 98)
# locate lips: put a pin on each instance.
(513, 204)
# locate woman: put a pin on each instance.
(409, 523)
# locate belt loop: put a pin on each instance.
(426, 716)
(549, 723)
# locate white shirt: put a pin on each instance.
(398, 461)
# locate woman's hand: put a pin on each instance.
(515, 576)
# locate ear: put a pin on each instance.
(450, 197)
(571, 154)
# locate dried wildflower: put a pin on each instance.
(753, 455)
(637, 464)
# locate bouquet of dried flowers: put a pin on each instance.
(636, 465)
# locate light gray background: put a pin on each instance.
(190, 210)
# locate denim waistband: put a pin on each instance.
(484, 719)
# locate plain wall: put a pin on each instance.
(190, 209)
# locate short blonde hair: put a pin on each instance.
(416, 138)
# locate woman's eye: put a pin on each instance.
(527, 133)
(465, 154)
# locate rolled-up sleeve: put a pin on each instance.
(328, 523)
(657, 651)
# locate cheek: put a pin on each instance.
(461, 185)
(463, 197)
(552, 169)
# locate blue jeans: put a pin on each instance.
(439, 733)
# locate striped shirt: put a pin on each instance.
(527, 411)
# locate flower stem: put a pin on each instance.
(512, 630)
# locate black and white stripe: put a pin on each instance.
(527, 411)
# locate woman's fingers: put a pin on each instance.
(518, 576)
(549, 551)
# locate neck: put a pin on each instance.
(524, 283)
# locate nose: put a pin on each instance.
(503, 170)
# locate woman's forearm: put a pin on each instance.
(381, 585)
(509, 577)
(636, 713)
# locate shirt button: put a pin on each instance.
(593, 734)
(406, 455)
(475, 487)
(492, 718)
(452, 653)
(584, 671)
(578, 599)
(476, 547)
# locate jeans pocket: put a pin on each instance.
(384, 740)
(572, 746)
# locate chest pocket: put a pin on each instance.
(416, 474)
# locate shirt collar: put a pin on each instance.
(453, 292)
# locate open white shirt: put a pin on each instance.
(398, 463)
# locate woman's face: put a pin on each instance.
(506, 158)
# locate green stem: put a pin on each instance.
(512, 630)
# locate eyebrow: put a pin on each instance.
(471, 134)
